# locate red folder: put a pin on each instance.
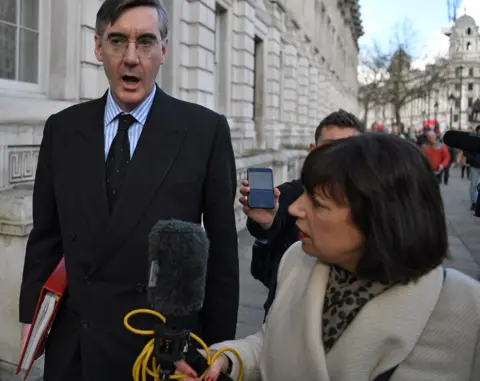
(47, 306)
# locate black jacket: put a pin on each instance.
(271, 244)
(473, 158)
(183, 168)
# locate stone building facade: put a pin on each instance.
(461, 85)
(273, 67)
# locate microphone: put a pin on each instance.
(177, 257)
(462, 140)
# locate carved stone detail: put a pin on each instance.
(22, 163)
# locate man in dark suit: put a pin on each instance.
(108, 170)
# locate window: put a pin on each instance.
(457, 87)
(19, 42)
(470, 72)
(470, 86)
(469, 46)
(470, 102)
(455, 118)
(259, 89)
(457, 103)
(221, 84)
(458, 71)
(469, 31)
(281, 84)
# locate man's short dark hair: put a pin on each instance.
(340, 118)
(111, 10)
(394, 198)
(477, 129)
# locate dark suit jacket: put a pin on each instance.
(183, 167)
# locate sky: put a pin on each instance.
(425, 18)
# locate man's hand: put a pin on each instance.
(264, 217)
(24, 334)
(440, 167)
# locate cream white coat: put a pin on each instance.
(430, 329)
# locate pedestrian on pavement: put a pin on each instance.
(446, 173)
(275, 230)
(473, 160)
(437, 153)
(108, 170)
(364, 295)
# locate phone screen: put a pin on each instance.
(260, 180)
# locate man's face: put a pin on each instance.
(132, 72)
(331, 133)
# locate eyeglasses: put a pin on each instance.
(144, 46)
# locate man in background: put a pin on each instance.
(275, 230)
(108, 170)
(473, 161)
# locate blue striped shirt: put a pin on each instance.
(140, 113)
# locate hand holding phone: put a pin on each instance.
(264, 205)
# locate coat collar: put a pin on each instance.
(383, 333)
(140, 113)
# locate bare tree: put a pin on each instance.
(371, 76)
(401, 83)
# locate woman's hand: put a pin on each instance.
(218, 366)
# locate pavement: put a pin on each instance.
(463, 227)
(464, 252)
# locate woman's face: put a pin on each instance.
(327, 230)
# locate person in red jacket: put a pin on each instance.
(437, 153)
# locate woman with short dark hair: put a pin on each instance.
(364, 295)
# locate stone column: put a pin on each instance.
(290, 92)
(322, 93)
(168, 77)
(197, 50)
(242, 80)
(303, 98)
(313, 101)
(273, 125)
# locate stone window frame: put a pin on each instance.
(41, 87)
(222, 91)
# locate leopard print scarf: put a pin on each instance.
(344, 298)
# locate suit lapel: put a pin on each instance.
(156, 150)
(89, 169)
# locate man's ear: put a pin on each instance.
(98, 48)
(311, 147)
(164, 48)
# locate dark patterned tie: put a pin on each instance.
(118, 159)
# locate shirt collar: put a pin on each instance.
(140, 113)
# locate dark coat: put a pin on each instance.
(183, 167)
(283, 233)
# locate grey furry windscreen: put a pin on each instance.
(178, 256)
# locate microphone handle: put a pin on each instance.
(199, 363)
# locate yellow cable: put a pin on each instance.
(141, 369)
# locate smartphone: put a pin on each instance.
(260, 181)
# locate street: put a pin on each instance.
(464, 239)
